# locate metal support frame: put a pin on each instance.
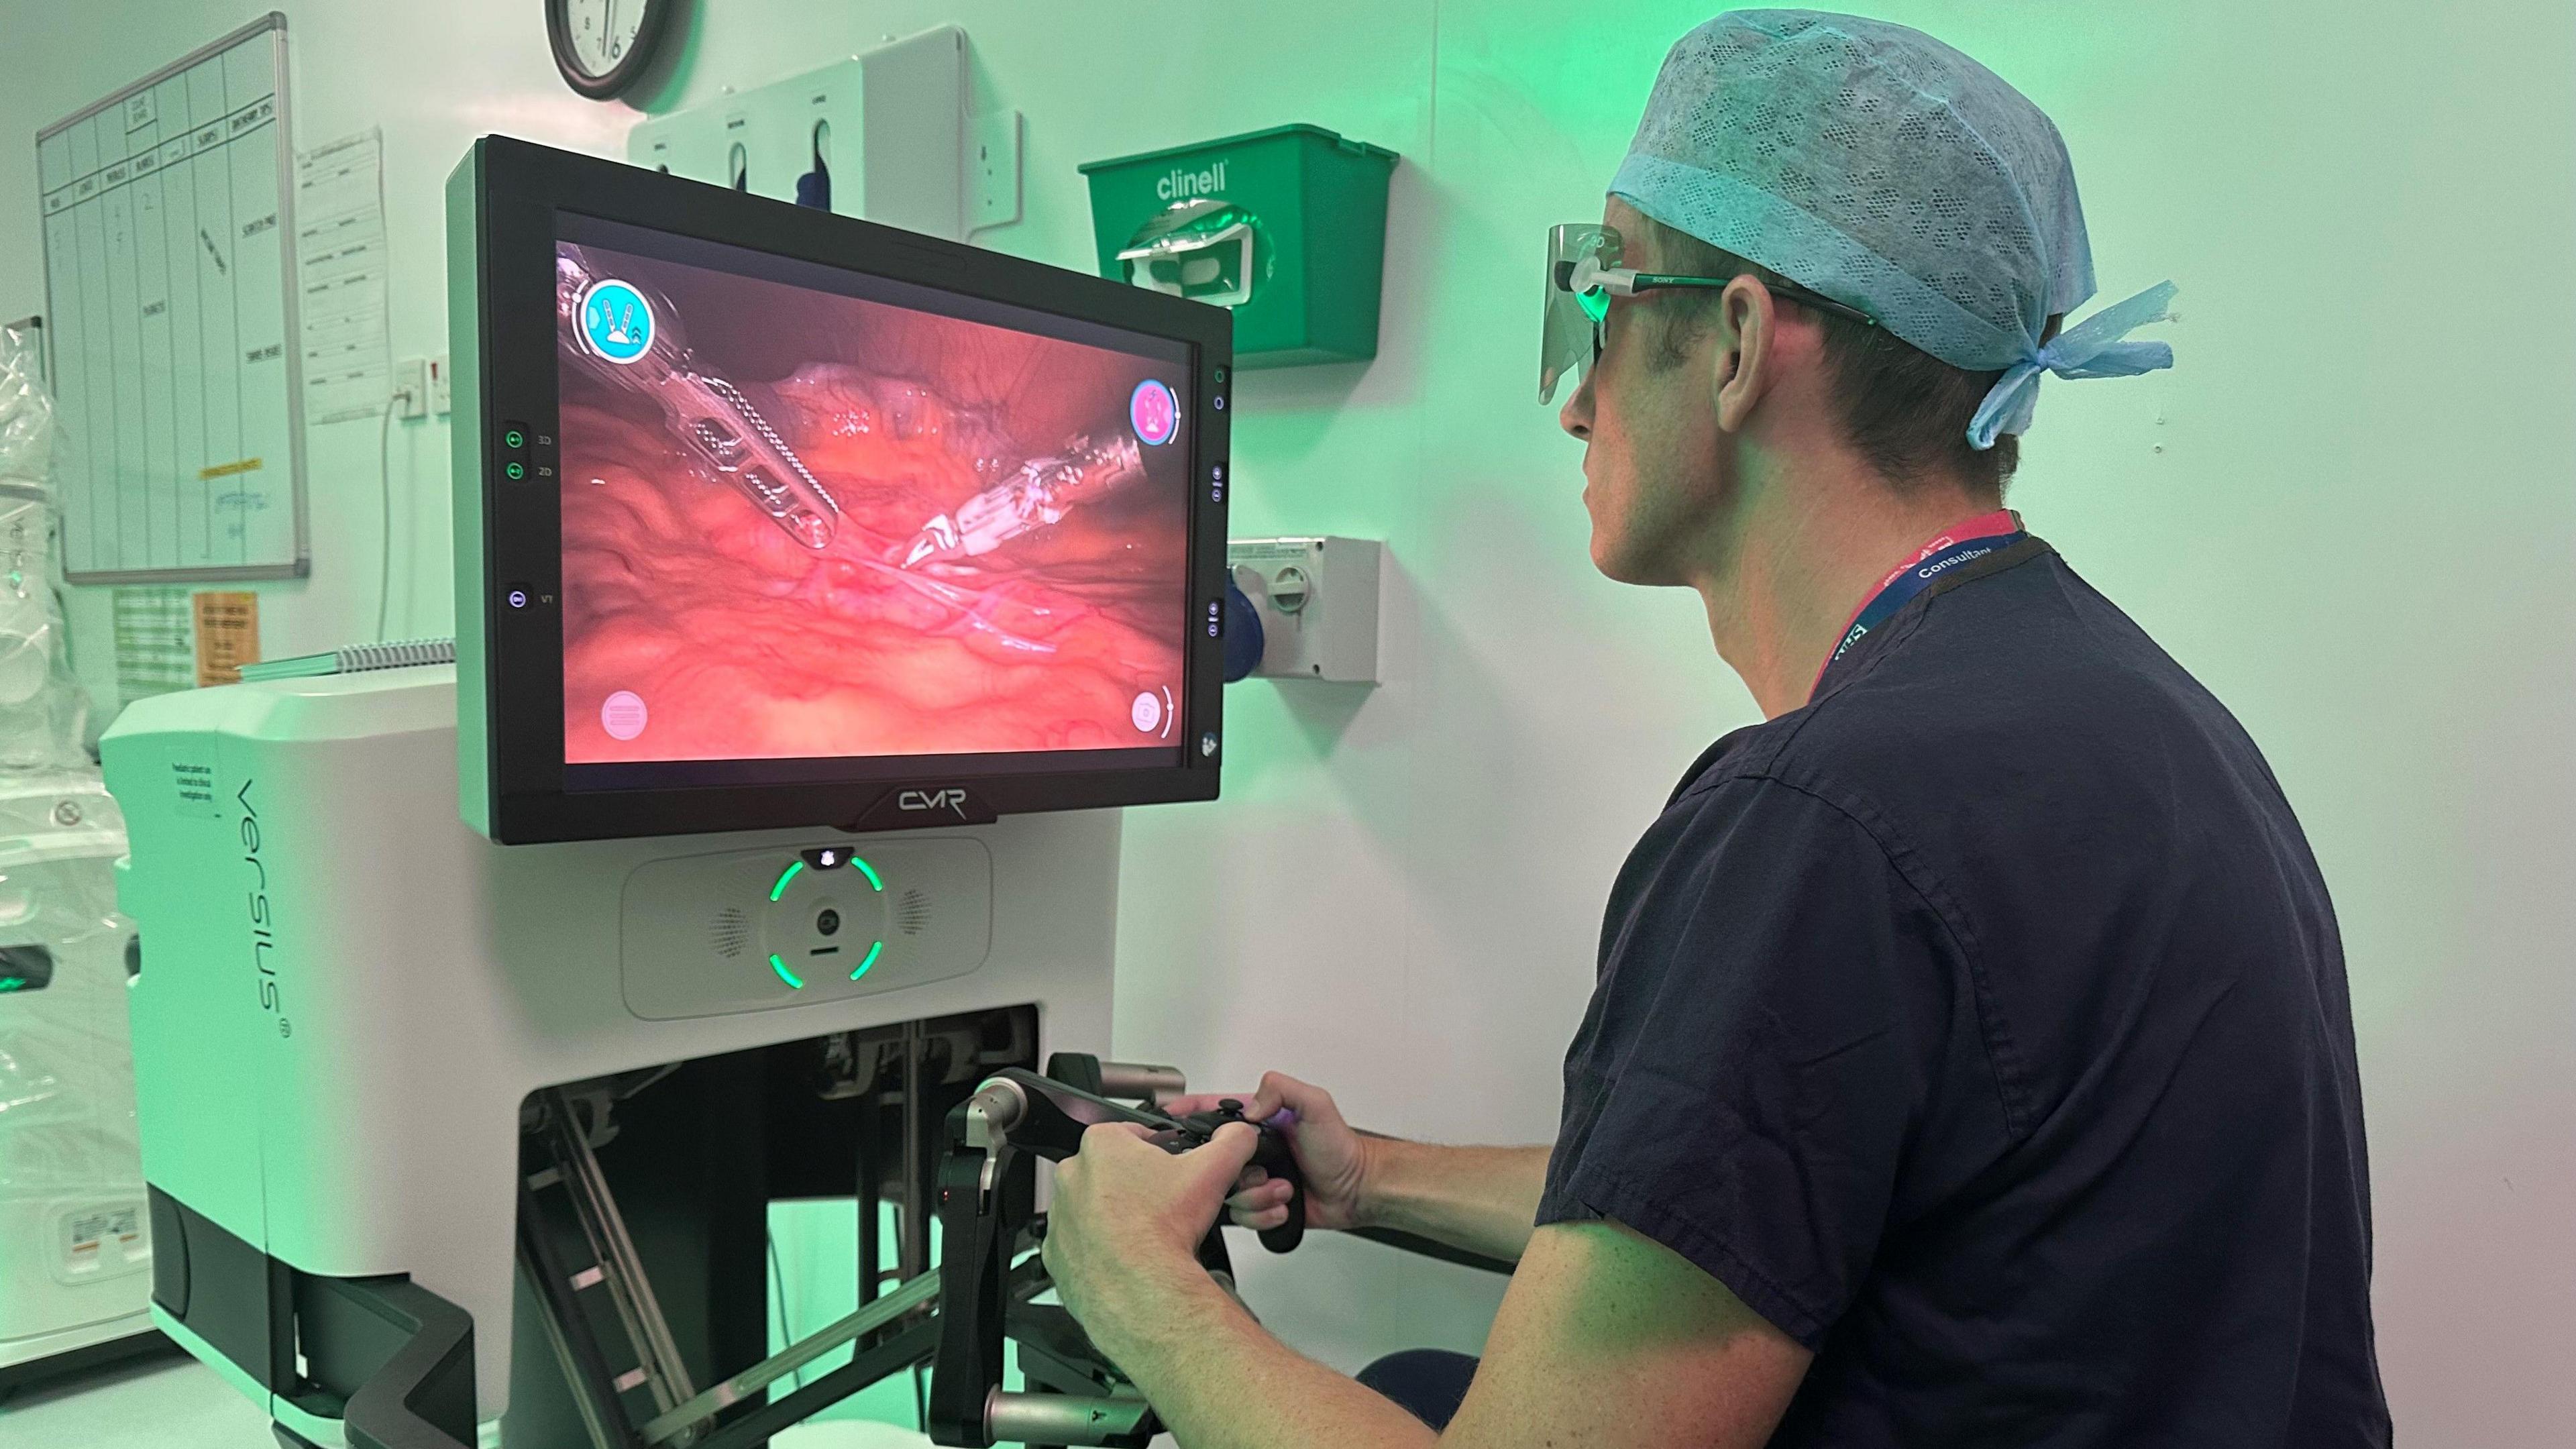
(577, 1351)
(590, 1283)
(614, 1270)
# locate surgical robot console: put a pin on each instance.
(750, 851)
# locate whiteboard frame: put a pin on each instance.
(273, 24)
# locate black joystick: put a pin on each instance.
(1273, 1155)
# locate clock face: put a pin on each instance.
(603, 46)
(602, 33)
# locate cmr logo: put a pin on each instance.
(915, 807)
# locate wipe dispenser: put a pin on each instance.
(1286, 227)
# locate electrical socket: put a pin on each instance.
(411, 388)
(992, 170)
(438, 384)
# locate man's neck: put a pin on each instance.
(1803, 559)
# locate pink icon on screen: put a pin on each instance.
(622, 715)
(1154, 412)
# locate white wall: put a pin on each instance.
(2349, 509)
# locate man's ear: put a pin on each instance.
(1745, 362)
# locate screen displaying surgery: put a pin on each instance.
(805, 524)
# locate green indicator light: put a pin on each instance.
(783, 973)
(12, 983)
(516, 472)
(870, 872)
(873, 953)
(515, 438)
(784, 877)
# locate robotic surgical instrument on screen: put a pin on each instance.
(819, 586)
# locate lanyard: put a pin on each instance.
(1944, 551)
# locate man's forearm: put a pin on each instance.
(1219, 1381)
(1481, 1199)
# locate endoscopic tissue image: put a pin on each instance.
(798, 524)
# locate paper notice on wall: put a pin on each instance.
(341, 278)
(227, 636)
(156, 648)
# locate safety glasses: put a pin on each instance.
(1583, 274)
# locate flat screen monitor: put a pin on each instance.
(770, 517)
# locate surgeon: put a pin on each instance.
(1971, 1061)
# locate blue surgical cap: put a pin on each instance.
(1884, 169)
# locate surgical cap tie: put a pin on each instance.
(2098, 346)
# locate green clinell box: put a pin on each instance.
(1287, 227)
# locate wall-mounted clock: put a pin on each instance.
(601, 46)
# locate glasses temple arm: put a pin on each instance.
(1786, 291)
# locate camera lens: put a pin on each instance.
(828, 922)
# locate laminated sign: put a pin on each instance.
(227, 636)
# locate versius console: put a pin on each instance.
(819, 587)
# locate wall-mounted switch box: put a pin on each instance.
(1318, 599)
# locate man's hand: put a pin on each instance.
(1481, 1199)
(1123, 1234)
(1334, 1158)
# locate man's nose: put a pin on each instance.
(1576, 416)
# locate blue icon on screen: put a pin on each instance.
(616, 321)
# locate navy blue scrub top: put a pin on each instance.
(1982, 1024)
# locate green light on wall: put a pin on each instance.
(784, 877)
(869, 871)
(784, 974)
(873, 953)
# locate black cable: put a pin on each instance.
(385, 495)
(778, 1281)
(1430, 1248)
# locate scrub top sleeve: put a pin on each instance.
(1761, 1046)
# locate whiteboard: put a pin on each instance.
(170, 298)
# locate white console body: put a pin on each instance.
(346, 993)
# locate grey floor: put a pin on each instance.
(165, 1403)
(178, 1403)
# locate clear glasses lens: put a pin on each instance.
(1576, 304)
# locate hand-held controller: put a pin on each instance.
(1275, 1155)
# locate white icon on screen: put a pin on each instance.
(1147, 712)
(622, 715)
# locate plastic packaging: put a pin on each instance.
(74, 1233)
(44, 712)
(26, 410)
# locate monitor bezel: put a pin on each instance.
(509, 534)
